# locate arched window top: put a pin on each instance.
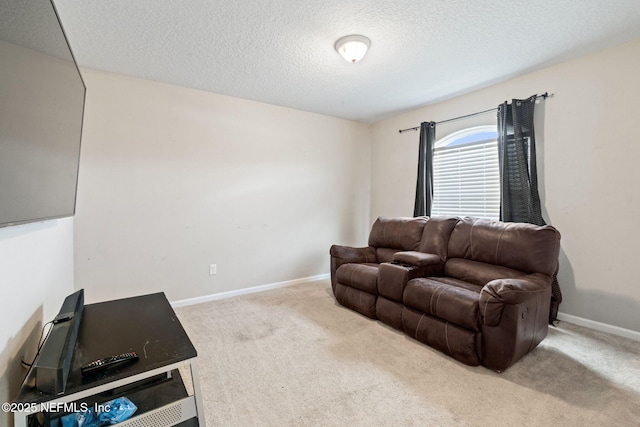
(465, 171)
(469, 135)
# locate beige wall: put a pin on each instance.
(36, 274)
(174, 179)
(589, 153)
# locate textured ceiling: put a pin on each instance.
(281, 51)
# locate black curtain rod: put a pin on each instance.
(544, 95)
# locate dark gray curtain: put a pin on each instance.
(519, 197)
(424, 186)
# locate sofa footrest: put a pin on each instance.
(457, 342)
(357, 300)
(389, 312)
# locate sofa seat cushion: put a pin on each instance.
(449, 299)
(360, 276)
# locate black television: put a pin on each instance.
(42, 97)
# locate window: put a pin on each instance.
(466, 180)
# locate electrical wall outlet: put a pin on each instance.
(213, 269)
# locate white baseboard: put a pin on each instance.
(602, 327)
(245, 291)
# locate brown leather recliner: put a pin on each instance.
(482, 300)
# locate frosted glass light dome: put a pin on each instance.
(353, 48)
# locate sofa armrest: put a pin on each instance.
(498, 293)
(348, 254)
(515, 314)
(418, 259)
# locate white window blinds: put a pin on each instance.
(466, 178)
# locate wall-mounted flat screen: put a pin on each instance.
(42, 99)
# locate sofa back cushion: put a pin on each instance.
(525, 247)
(478, 273)
(436, 234)
(400, 233)
(386, 254)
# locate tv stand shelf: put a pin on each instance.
(147, 325)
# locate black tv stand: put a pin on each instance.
(147, 325)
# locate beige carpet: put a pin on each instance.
(293, 357)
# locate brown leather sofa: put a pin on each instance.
(477, 290)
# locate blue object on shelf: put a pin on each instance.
(109, 413)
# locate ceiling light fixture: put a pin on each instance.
(353, 48)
